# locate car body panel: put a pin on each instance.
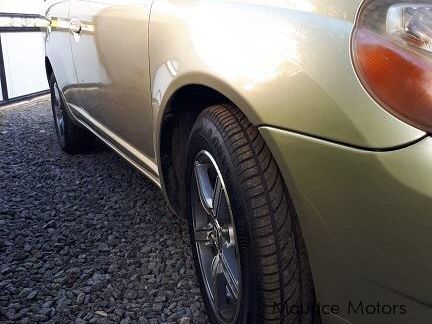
(366, 217)
(111, 61)
(104, 84)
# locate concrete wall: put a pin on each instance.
(23, 53)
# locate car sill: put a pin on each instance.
(84, 119)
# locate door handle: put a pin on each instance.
(75, 26)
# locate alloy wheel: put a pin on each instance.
(215, 239)
(58, 112)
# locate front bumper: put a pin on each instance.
(367, 221)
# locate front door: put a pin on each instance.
(109, 41)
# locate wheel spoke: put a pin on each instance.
(205, 188)
(216, 197)
(230, 278)
(61, 122)
(58, 114)
(218, 283)
(203, 235)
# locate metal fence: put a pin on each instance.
(18, 23)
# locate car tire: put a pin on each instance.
(72, 138)
(234, 184)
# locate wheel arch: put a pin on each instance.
(178, 113)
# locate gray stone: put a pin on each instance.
(85, 233)
(32, 295)
(80, 298)
(101, 313)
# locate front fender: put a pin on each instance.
(284, 65)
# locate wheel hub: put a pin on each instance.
(219, 236)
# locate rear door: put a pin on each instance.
(109, 42)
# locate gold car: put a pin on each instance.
(292, 134)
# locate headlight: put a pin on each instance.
(392, 55)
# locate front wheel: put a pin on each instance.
(248, 251)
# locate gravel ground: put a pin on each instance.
(87, 238)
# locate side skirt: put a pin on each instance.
(144, 164)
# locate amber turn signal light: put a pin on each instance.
(393, 59)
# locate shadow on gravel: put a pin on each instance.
(85, 238)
